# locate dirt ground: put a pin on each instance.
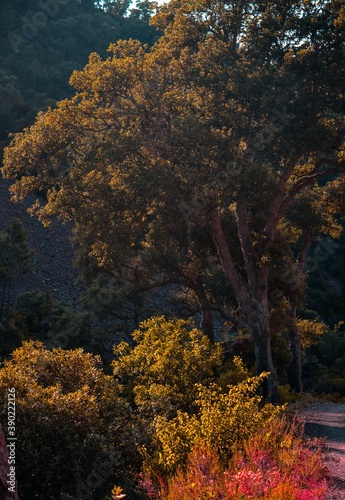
(328, 420)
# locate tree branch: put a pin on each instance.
(282, 200)
(239, 286)
(274, 209)
(248, 251)
(309, 180)
(300, 260)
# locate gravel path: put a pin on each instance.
(328, 420)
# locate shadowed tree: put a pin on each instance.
(15, 260)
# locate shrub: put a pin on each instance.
(275, 464)
(222, 422)
(71, 423)
(232, 372)
(169, 358)
(278, 464)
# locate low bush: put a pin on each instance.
(71, 422)
(222, 422)
(275, 464)
(160, 372)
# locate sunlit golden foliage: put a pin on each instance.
(168, 359)
(310, 331)
(276, 463)
(222, 422)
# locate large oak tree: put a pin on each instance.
(197, 151)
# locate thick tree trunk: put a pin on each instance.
(251, 295)
(295, 367)
(258, 323)
(264, 363)
(206, 324)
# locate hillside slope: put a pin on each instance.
(54, 271)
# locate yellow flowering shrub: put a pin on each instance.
(168, 359)
(222, 423)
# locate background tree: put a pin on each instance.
(37, 316)
(324, 361)
(37, 61)
(236, 111)
(309, 219)
(12, 108)
(15, 260)
(117, 7)
(143, 9)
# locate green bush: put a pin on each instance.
(71, 423)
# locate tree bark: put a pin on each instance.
(295, 366)
(258, 324)
(252, 299)
(264, 363)
(206, 324)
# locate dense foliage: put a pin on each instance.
(172, 167)
(168, 359)
(275, 464)
(72, 425)
(42, 43)
(93, 431)
(222, 422)
(210, 160)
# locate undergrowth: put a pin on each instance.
(275, 464)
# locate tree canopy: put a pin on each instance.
(42, 42)
(199, 154)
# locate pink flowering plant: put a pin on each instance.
(275, 464)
